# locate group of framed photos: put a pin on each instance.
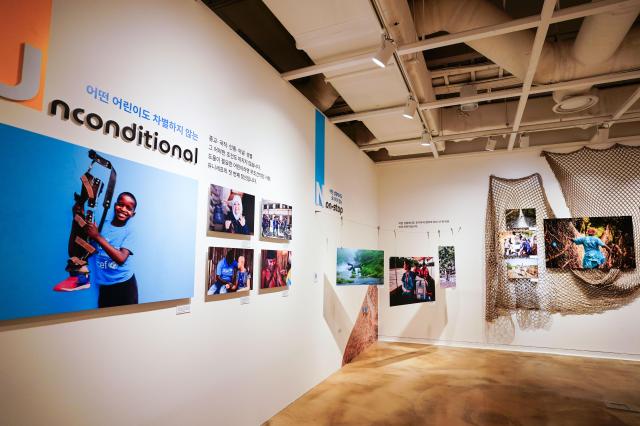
(580, 243)
(410, 278)
(519, 244)
(231, 213)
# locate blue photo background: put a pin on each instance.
(38, 177)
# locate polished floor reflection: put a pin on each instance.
(409, 384)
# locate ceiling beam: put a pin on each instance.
(561, 124)
(515, 25)
(591, 81)
(367, 114)
(379, 145)
(625, 107)
(501, 94)
(541, 127)
(494, 83)
(481, 97)
(631, 140)
(470, 35)
(536, 50)
(336, 65)
(461, 37)
(462, 70)
(405, 76)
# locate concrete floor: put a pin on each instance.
(409, 384)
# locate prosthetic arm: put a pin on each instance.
(79, 248)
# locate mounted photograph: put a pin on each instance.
(230, 210)
(359, 267)
(411, 280)
(590, 243)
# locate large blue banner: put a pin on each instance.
(38, 178)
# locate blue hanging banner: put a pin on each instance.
(319, 187)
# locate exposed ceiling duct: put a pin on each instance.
(498, 115)
(556, 71)
(600, 47)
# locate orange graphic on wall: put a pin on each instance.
(24, 42)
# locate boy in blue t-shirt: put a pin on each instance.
(112, 264)
(225, 275)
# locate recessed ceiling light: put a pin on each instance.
(571, 104)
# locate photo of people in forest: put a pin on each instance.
(590, 243)
(276, 269)
(411, 280)
(230, 270)
(230, 210)
(276, 220)
(518, 244)
(359, 267)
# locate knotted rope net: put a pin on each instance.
(594, 183)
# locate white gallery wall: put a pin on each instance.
(224, 362)
(455, 190)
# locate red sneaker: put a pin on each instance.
(71, 284)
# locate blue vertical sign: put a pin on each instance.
(319, 197)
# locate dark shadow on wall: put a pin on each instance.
(335, 315)
(431, 318)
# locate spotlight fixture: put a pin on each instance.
(410, 108)
(383, 55)
(491, 144)
(524, 140)
(426, 139)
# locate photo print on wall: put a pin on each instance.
(276, 220)
(520, 218)
(230, 210)
(447, 266)
(95, 238)
(520, 243)
(359, 267)
(276, 269)
(411, 280)
(230, 270)
(519, 268)
(590, 243)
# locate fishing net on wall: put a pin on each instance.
(601, 182)
(594, 183)
(504, 295)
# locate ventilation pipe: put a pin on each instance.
(600, 48)
(600, 37)
(403, 31)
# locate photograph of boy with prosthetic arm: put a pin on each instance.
(103, 238)
(103, 249)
